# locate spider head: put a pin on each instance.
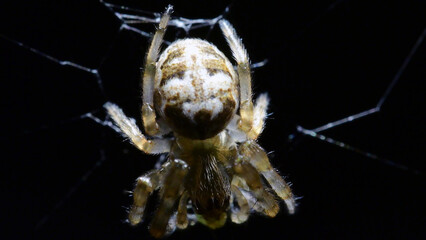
(198, 89)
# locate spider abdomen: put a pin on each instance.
(197, 92)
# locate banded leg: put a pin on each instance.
(240, 215)
(145, 185)
(244, 75)
(148, 83)
(170, 193)
(129, 128)
(252, 178)
(258, 158)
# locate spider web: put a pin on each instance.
(130, 29)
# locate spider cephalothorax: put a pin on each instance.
(214, 167)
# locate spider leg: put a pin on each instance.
(171, 191)
(260, 108)
(182, 215)
(148, 83)
(129, 128)
(244, 75)
(239, 215)
(257, 157)
(145, 185)
(251, 177)
(259, 118)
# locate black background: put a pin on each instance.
(65, 177)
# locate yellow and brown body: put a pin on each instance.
(191, 95)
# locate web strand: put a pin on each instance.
(348, 147)
(65, 63)
(314, 132)
(71, 191)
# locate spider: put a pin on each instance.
(214, 166)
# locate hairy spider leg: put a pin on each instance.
(170, 192)
(182, 215)
(257, 157)
(265, 201)
(243, 69)
(260, 114)
(130, 130)
(151, 126)
(239, 215)
(145, 185)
